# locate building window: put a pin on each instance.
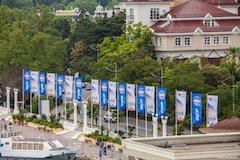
(225, 40)
(154, 14)
(216, 40)
(209, 23)
(178, 41)
(131, 16)
(207, 40)
(187, 41)
(157, 41)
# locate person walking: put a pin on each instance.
(10, 126)
(112, 151)
(105, 150)
(5, 126)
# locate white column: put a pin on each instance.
(155, 125)
(164, 125)
(16, 111)
(75, 115)
(8, 99)
(84, 116)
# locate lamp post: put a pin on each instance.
(155, 124)
(8, 99)
(161, 77)
(96, 49)
(164, 125)
(75, 114)
(115, 70)
(84, 116)
(15, 100)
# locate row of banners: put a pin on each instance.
(123, 96)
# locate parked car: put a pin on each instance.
(88, 87)
(110, 116)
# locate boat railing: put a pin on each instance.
(8, 134)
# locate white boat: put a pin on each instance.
(14, 146)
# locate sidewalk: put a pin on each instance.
(86, 150)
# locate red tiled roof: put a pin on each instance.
(221, 2)
(147, 0)
(226, 125)
(196, 8)
(191, 26)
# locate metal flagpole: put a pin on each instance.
(108, 109)
(136, 113)
(39, 111)
(175, 112)
(207, 110)
(191, 112)
(117, 107)
(30, 100)
(91, 108)
(126, 109)
(23, 101)
(56, 97)
(145, 113)
(156, 106)
(100, 107)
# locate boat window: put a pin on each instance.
(5, 135)
(14, 146)
(35, 146)
(40, 146)
(30, 146)
(1, 135)
(25, 146)
(19, 146)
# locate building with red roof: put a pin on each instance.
(193, 28)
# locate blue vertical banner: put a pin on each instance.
(60, 85)
(78, 89)
(42, 81)
(122, 96)
(196, 108)
(161, 99)
(104, 93)
(141, 99)
(26, 81)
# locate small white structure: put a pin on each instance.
(16, 110)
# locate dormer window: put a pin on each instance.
(209, 23)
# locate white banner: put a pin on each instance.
(69, 87)
(150, 99)
(94, 91)
(180, 105)
(34, 81)
(112, 94)
(212, 105)
(131, 98)
(51, 84)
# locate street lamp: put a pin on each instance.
(161, 77)
(115, 70)
(164, 125)
(155, 124)
(96, 49)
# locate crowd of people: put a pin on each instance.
(103, 148)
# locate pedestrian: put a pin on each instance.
(59, 115)
(112, 151)
(101, 144)
(10, 126)
(5, 126)
(105, 150)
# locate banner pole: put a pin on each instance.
(136, 113)
(100, 107)
(108, 109)
(207, 110)
(145, 113)
(56, 97)
(175, 112)
(117, 108)
(191, 112)
(126, 108)
(23, 101)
